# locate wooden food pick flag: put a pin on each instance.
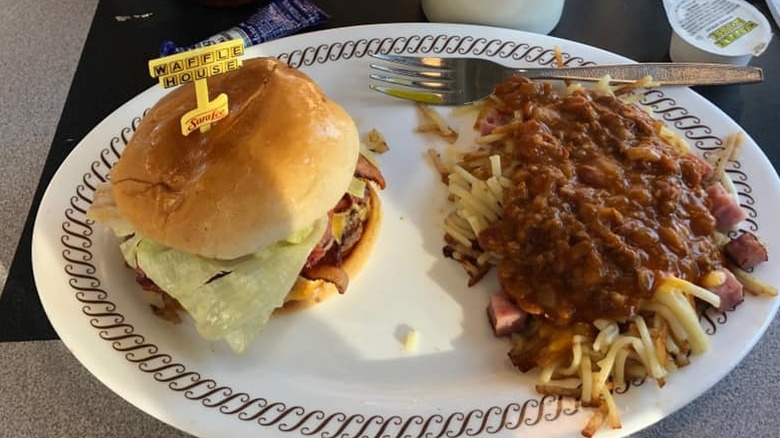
(195, 66)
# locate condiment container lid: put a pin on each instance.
(726, 31)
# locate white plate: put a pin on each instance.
(340, 369)
(774, 8)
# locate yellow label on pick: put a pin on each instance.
(204, 116)
(195, 66)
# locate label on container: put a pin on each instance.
(206, 113)
(725, 27)
(196, 66)
(276, 19)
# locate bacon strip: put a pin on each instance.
(332, 274)
(366, 169)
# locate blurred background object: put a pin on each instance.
(224, 3)
(529, 15)
(723, 31)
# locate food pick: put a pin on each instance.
(196, 66)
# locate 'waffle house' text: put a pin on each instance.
(200, 64)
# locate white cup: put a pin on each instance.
(539, 16)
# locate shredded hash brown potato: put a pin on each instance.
(652, 338)
(436, 124)
(376, 142)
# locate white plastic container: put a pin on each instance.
(722, 31)
(539, 16)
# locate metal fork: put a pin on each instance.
(452, 81)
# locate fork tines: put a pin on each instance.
(414, 61)
(423, 74)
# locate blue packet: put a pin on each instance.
(277, 19)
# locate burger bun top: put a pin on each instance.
(281, 159)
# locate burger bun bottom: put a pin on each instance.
(306, 293)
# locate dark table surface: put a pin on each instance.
(112, 70)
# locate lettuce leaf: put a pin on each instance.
(229, 300)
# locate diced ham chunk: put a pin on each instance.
(746, 251)
(725, 208)
(730, 291)
(505, 317)
(491, 120)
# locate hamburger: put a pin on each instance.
(273, 207)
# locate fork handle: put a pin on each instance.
(666, 73)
